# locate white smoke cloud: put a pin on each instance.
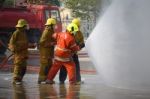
(119, 46)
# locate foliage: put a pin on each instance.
(7, 3)
(82, 8)
(54, 2)
(11, 2)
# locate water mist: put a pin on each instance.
(119, 46)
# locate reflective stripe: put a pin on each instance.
(73, 45)
(62, 59)
(63, 49)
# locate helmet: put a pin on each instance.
(50, 21)
(21, 23)
(76, 21)
(72, 28)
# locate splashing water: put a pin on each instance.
(119, 46)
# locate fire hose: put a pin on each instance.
(5, 60)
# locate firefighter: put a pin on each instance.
(80, 41)
(19, 44)
(64, 49)
(46, 49)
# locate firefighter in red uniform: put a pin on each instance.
(64, 49)
(80, 41)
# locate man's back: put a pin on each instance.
(65, 45)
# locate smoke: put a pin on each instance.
(119, 46)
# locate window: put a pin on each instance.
(53, 14)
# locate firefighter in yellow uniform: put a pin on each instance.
(46, 49)
(19, 46)
(79, 36)
(80, 42)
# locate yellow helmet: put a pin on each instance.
(72, 28)
(21, 23)
(50, 21)
(76, 21)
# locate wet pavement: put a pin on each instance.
(93, 87)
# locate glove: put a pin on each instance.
(32, 45)
(50, 44)
(47, 45)
(81, 45)
(53, 43)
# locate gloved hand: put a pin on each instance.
(31, 45)
(50, 44)
(81, 45)
(47, 45)
(53, 43)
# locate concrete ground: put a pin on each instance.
(93, 87)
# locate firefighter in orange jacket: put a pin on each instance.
(46, 50)
(80, 41)
(64, 49)
(19, 44)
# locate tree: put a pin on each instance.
(2, 2)
(83, 8)
(54, 2)
(7, 3)
(11, 2)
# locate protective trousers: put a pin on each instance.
(46, 55)
(63, 72)
(70, 67)
(44, 68)
(20, 67)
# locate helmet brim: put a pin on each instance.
(20, 25)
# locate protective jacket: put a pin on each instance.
(19, 44)
(65, 46)
(46, 49)
(46, 37)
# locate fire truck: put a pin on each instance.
(36, 16)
